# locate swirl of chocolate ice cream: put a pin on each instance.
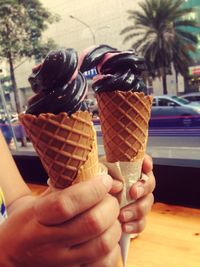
(117, 70)
(58, 84)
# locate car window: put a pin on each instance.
(166, 102)
(192, 98)
(197, 98)
(154, 102)
(189, 98)
(181, 100)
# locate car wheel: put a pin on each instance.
(187, 120)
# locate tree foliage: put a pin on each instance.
(22, 23)
(159, 32)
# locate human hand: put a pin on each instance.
(77, 226)
(133, 215)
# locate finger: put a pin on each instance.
(48, 255)
(147, 165)
(62, 205)
(137, 210)
(143, 187)
(134, 227)
(109, 260)
(88, 225)
(98, 247)
(116, 188)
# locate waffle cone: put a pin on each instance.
(66, 145)
(124, 120)
(91, 167)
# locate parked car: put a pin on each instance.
(173, 111)
(192, 97)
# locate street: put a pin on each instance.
(169, 147)
(177, 144)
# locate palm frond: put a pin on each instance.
(176, 5)
(183, 55)
(142, 27)
(188, 37)
(139, 18)
(137, 44)
(182, 62)
(147, 37)
(162, 11)
(131, 36)
(186, 23)
(127, 29)
(179, 14)
(130, 11)
(147, 9)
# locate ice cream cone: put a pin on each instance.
(92, 166)
(66, 145)
(124, 120)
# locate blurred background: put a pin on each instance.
(167, 34)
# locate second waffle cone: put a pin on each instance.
(124, 120)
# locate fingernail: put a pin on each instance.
(140, 191)
(144, 178)
(129, 228)
(127, 215)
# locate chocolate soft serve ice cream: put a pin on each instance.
(58, 84)
(57, 121)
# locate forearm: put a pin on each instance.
(11, 181)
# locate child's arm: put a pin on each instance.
(11, 181)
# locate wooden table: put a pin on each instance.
(170, 239)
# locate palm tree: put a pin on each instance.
(162, 36)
